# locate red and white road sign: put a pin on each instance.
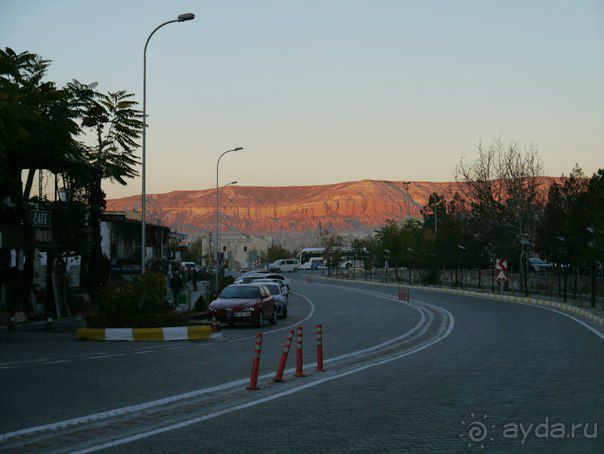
(502, 269)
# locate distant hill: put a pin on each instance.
(350, 206)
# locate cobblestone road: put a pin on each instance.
(523, 367)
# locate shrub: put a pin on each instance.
(430, 277)
(123, 301)
(159, 320)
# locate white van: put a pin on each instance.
(284, 265)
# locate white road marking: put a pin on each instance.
(7, 367)
(140, 352)
(59, 361)
(269, 398)
(107, 356)
(191, 394)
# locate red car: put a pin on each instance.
(240, 303)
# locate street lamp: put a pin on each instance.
(217, 214)
(222, 189)
(180, 18)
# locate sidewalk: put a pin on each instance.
(63, 328)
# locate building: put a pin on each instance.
(121, 238)
(239, 249)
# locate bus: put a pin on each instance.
(309, 255)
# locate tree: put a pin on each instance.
(37, 131)
(116, 124)
(503, 186)
(333, 252)
(276, 252)
(195, 251)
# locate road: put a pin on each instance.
(438, 373)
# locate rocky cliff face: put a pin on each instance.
(357, 205)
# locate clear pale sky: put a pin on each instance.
(329, 91)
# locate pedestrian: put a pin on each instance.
(176, 284)
(192, 276)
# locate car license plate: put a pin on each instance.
(242, 314)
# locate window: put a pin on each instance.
(223, 248)
(244, 248)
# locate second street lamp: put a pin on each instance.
(218, 216)
(181, 18)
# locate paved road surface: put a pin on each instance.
(446, 363)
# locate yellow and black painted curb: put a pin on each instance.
(583, 313)
(177, 333)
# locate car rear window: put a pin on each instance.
(240, 291)
(273, 288)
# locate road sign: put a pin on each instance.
(502, 270)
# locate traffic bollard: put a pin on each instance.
(253, 386)
(320, 349)
(283, 360)
(299, 371)
(215, 326)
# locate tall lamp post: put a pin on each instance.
(222, 189)
(181, 18)
(217, 215)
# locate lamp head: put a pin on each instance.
(185, 17)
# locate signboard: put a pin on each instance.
(502, 270)
(41, 218)
(43, 235)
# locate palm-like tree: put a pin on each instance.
(116, 123)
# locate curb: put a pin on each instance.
(583, 313)
(178, 333)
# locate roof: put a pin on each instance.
(126, 216)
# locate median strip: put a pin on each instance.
(178, 333)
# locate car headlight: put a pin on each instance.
(251, 309)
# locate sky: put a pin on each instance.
(327, 91)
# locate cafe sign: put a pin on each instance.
(41, 218)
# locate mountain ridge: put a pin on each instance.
(346, 206)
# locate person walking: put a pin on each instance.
(176, 284)
(193, 277)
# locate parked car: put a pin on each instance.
(281, 284)
(270, 276)
(285, 266)
(184, 266)
(277, 292)
(536, 265)
(286, 280)
(241, 303)
(244, 278)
